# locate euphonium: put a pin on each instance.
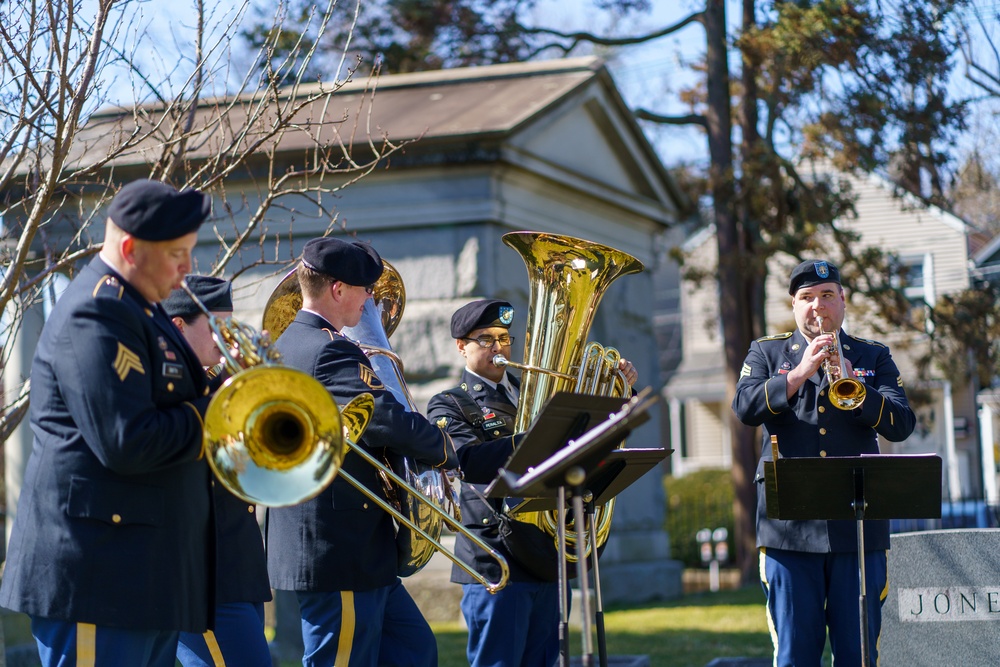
(379, 319)
(422, 499)
(846, 393)
(273, 434)
(567, 278)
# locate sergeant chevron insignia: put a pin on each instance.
(369, 378)
(126, 360)
(745, 373)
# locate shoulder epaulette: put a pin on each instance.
(781, 336)
(109, 286)
(336, 335)
(866, 340)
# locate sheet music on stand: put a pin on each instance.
(587, 451)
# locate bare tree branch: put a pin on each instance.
(575, 38)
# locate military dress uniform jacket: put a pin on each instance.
(807, 425)
(113, 524)
(242, 566)
(341, 540)
(498, 420)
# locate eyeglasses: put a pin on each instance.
(489, 341)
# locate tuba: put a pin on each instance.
(421, 497)
(567, 278)
(273, 435)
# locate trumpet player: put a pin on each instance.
(338, 551)
(809, 569)
(110, 552)
(241, 571)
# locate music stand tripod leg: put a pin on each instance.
(602, 644)
(563, 578)
(859, 506)
(576, 476)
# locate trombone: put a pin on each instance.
(273, 435)
(846, 393)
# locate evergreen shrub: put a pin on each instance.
(701, 499)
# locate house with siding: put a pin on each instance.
(986, 268)
(931, 243)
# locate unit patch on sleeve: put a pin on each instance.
(126, 360)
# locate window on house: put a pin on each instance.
(914, 277)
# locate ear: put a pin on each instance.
(337, 290)
(461, 345)
(127, 247)
(178, 322)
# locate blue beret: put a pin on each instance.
(812, 272)
(155, 211)
(351, 262)
(481, 314)
(215, 293)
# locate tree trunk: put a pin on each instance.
(733, 307)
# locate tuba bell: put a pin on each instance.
(273, 435)
(567, 279)
(421, 498)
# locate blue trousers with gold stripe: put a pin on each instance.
(237, 641)
(810, 592)
(365, 629)
(69, 644)
(517, 626)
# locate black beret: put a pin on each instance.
(481, 314)
(155, 211)
(215, 293)
(351, 262)
(812, 272)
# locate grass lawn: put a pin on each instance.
(689, 632)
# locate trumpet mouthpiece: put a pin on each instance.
(500, 360)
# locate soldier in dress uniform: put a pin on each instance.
(809, 569)
(110, 553)
(241, 570)
(338, 551)
(519, 624)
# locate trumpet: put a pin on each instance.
(846, 393)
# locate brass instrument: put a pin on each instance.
(273, 435)
(423, 502)
(567, 278)
(846, 393)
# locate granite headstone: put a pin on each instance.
(943, 606)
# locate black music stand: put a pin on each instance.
(590, 463)
(878, 486)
